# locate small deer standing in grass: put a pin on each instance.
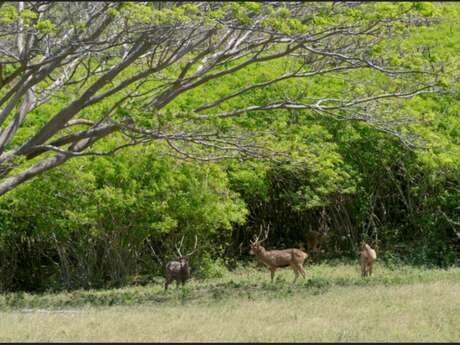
(315, 240)
(275, 259)
(179, 269)
(367, 258)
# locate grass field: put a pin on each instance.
(333, 304)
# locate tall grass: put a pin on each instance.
(333, 304)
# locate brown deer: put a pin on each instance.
(179, 269)
(315, 240)
(367, 258)
(275, 259)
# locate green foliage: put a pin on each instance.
(8, 13)
(210, 268)
(117, 205)
(93, 222)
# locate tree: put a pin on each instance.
(114, 70)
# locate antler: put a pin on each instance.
(266, 233)
(256, 239)
(180, 246)
(194, 247)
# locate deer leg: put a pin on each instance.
(366, 269)
(370, 268)
(167, 282)
(301, 270)
(296, 276)
(272, 271)
(363, 268)
(296, 272)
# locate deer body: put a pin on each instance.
(178, 271)
(367, 258)
(280, 258)
(275, 259)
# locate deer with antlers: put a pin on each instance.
(179, 269)
(275, 259)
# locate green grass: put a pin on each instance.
(333, 304)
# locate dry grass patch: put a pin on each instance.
(417, 312)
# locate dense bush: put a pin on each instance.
(95, 223)
(100, 221)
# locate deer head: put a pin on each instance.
(364, 246)
(256, 244)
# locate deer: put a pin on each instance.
(179, 270)
(367, 258)
(314, 240)
(275, 259)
